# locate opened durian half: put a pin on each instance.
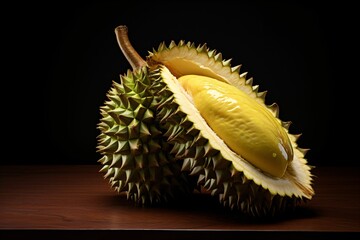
(217, 125)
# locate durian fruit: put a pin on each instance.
(219, 127)
(135, 156)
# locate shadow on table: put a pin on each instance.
(202, 204)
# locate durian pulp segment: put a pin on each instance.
(296, 180)
(185, 59)
(247, 127)
(182, 67)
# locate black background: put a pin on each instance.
(61, 58)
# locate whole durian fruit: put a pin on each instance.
(217, 125)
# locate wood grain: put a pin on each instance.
(38, 200)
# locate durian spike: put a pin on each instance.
(135, 60)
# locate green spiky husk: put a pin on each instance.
(135, 156)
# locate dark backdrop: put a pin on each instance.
(61, 59)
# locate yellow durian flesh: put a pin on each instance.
(247, 127)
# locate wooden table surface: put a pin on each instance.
(56, 201)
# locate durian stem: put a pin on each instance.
(127, 49)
